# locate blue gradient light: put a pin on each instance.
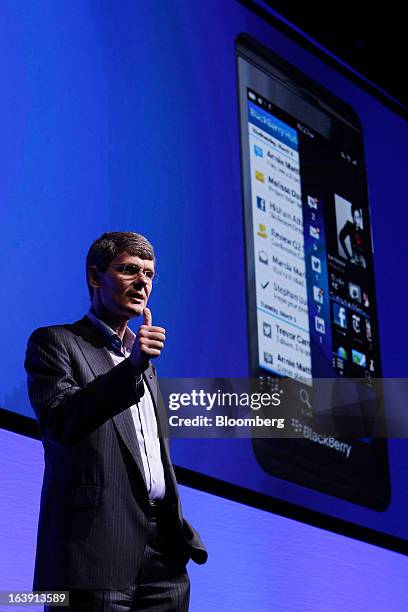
(124, 115)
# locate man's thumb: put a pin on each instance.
(147, 316)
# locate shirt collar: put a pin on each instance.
(110, 338)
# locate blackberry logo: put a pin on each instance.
(297, 425)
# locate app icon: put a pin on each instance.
(316, 264)
(314, 232)
(268, 358)
(358, 358)
(354, 292)
(320, 325)
(341, 352)
(262, 230)
(259, 176)
(368, 330)
(267, 329)
(318, 294)
(263, 257)
(339, 363)
(258, 151)
(340, 315)
(260, 203)
(356, 322)
(305, 398)
(312, 202)
(337, 282)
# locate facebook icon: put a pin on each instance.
(260, 203)
(340, 315)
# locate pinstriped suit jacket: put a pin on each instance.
(94, 500)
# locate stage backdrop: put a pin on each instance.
(124, 116)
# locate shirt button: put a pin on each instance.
(150, 375)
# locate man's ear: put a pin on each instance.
(93, 277)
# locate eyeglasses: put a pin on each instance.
(132, 271)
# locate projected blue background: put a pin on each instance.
(125, 117)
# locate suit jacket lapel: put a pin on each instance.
(100, 362)
(126, 429)
(92, 347)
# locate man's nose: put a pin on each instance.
(140, 281)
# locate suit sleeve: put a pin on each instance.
(65, 411)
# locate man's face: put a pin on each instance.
(122, 295)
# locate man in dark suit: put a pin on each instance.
(111, 529)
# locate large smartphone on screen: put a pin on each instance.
(309, 266)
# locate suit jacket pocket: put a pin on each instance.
(85, 496)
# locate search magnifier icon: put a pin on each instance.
(304, 397)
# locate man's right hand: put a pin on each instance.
(149, 342)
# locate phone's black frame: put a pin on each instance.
(289, 459)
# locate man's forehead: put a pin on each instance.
(124, 257)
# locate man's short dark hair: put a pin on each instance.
(105, 248)
(356, 207)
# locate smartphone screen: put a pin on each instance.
(309, 258)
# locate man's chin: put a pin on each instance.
(135, 310)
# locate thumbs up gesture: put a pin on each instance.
(149, 342)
